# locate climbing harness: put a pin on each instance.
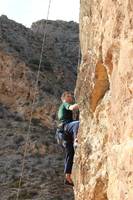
(33, 103)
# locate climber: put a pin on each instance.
(65, 116)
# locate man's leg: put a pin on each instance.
(71, 131)
(69, 161)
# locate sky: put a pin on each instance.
(28, 11)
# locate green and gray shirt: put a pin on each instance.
(64, 114)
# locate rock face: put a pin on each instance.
(19, 59)
(104, 159)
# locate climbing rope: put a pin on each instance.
(33, 103)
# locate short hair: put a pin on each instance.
(65, 94)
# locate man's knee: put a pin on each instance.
(76, 126)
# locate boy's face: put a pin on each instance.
(68, 98)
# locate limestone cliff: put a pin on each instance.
(20, 49)
(104, 159)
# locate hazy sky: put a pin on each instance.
(28, 11)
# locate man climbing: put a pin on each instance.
(65, 116)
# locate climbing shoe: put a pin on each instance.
(66, 182)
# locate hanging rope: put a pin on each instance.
(33, 103)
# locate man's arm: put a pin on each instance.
(74, 107)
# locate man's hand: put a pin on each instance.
(74, 107)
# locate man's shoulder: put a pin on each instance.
(66, 105)
(62, 105)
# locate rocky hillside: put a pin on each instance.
(104, 160)
(20, 49)
(62, 38)
(19, 59)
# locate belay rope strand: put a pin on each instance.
(33, 103)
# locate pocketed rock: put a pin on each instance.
(103, 166)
